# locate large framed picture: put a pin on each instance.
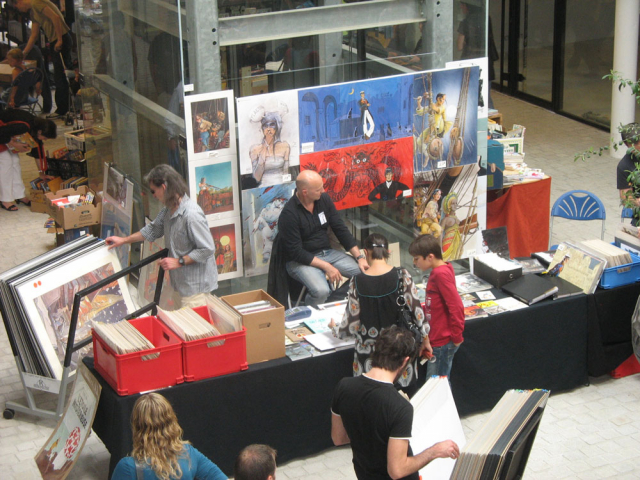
(210, 120)
(227, 240)
(213, 184)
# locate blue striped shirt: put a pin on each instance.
(186, 232)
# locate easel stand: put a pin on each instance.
(31, 382)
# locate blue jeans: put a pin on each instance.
(318, 289)
(444, 358)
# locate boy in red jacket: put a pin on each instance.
(443, 307)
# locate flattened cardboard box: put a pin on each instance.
(78, 216)
(265, 330)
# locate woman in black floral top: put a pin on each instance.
(372, 307)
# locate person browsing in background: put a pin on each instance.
(303, 224)
(15, 58)
(372, 307)
(372, 416)
(47, 16)
(255, 462)
(630, 134)
(159, 451)
(443, 307)
(191, 263)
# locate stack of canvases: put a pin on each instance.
(36, 299)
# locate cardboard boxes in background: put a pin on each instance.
(37, 197)
(265, 329)
(75, 216)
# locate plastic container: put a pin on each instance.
(214, 356)
(622, 274)
(142, 371)
(629, 367)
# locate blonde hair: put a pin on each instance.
(16, 54)
(157, 436)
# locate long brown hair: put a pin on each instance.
(157, 436)
(176, 187)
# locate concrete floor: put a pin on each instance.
(592, 432)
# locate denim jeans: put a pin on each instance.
(314, 279)
(444, 358)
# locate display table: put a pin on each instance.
(524, 209)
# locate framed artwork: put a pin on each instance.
(48, 301)
(228, 247)
(360, 175)
(115, 221)
(577, 266)
(149, 277)
(210, 121)
(261, 208)
(214, 185)
(356, 113)
(445, 118)
(483, 92)
(269, 139)
(117, 188)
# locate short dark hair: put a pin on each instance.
(47, 128)
(630, 133)
(255, 462)
(377, 246)
(166, 175)
(425, 245)
(393, 345)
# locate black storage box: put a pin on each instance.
(495, 277)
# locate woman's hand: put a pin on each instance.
(425, 349)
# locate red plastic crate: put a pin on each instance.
(136, 372)
(629, 367)
(214, 356)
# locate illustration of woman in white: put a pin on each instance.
(270, 159)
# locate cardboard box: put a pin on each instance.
(265, 330)
(78, 216)
(77, 140)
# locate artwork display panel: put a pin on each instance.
(227, 240)
(269, 139)
(214, 186)
(484, 83)
(209, 120)
(356, 176)
(115, 221)
(577, 266)
(117, 188)
(48, 301)
(356, 113)
(149, 278)
(451, 204)
(445, 118)
(261, 208)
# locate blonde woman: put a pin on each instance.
(158, 448)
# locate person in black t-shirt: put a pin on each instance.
(303, 226)
(371, 415)
(631, 137)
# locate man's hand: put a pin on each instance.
(426, 347)
(58, 46)
(170, 263)
(446, 449)
(333, 274)
(114, 242)
(363, 264)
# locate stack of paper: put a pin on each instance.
(614, 256)
(326, 341)
(187, 324)
(224, 317)
(122, 337)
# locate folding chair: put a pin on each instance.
(578, 205)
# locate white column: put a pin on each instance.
(625, 55)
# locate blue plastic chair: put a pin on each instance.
(626, 213)
(578, 205)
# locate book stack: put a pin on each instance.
(123, 337)
(614, 256)
(530, 289)
(71, 201)
(74, 182)
(224, 318)
(187, 324)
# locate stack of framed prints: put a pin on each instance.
(117, 209)
(213, 174)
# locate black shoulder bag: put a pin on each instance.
(405, 318)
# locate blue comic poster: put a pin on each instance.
(445, 117)
(355, 113)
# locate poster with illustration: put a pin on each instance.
(149, 278)
(360, 175)
(228, 247)
(261, 208)
(213, 184)
(450, 204)
(117, 188)
(484, 83)
(115, 221)
(445, 118)
(269, 140)
(210, 121)
(58, 455)
(355, 113)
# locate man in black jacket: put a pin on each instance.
(388, 190)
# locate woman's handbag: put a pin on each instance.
(405, 318)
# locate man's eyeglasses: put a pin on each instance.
(153, 192)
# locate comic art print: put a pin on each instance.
(228, 247)
(269, 139)
(445, 118)
(209, 120)
(355, 113)
(214, 185)
(356, 176)
(261, 208)
(116, 221)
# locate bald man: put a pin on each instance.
(303, 226)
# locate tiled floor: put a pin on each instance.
(589, 433)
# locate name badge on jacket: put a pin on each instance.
(322, 218)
